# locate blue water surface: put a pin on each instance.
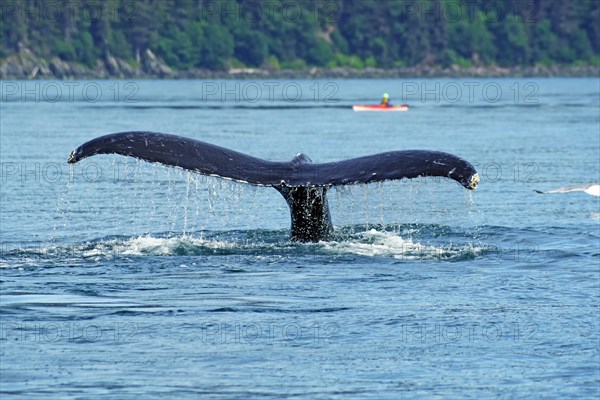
(122, 279)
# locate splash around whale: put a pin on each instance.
(302, 183)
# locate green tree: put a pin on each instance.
(140, 27)
(472, 39)
(251, 48)
(100, 25)
(512, 42)
(217, 47)
(320, 53)
(176, 48)
(84, 49)
(544, 42)
(592, 26)
(387, 33)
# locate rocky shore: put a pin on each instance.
(26, 65)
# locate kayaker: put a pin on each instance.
(386, 100)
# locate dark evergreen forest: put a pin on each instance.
(219, 34)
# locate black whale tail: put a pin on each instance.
(303, 184)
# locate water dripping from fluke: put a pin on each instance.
(303, 184)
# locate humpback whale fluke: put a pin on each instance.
(302, 183)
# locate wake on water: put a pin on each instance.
(353, 241)
(165, 212)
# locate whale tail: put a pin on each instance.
(302, 183)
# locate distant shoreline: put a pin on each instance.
(336, 73)
(407, 72)
(24, 66)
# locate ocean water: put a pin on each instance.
(124, 279)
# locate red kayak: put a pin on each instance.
(379, 107)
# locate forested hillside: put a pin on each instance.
(220, 34)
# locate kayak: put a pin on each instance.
(379, 107)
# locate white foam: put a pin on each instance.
(371, 243)
(148, 245)
(388, 244)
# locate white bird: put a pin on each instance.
(592, 188)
